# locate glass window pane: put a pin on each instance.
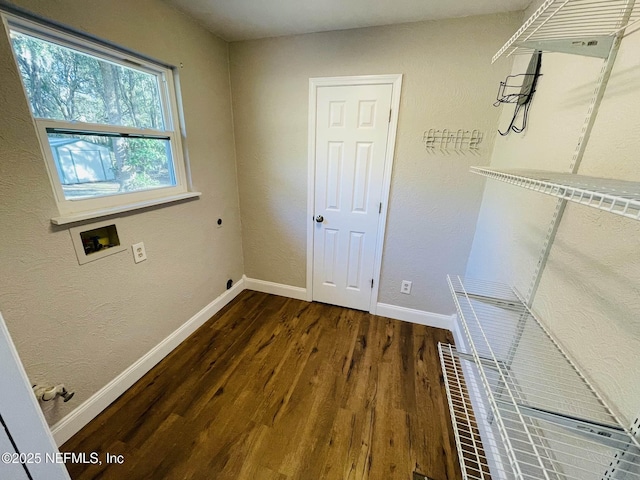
(97, 165)
(65, 84)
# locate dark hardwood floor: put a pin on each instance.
(275, 388)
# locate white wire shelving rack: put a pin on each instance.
(620, 197)
(475, 458)
(537, 417)
(582, 27)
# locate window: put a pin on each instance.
(107, 122)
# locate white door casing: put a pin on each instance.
(27, 432)
(14, 471)
(352, 133)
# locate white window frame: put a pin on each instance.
(72, 210)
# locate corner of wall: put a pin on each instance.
(99, 401)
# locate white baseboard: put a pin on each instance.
(420, 317)
(90, 408)
(263, 286)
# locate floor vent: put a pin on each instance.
(420, 476)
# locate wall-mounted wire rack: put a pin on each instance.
(458, 141)
(470, 442)
(620, 197)
(510, 90)
(582, 27)
(544, 420)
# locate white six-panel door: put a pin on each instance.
(352, 124)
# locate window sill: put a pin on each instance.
(105, 212)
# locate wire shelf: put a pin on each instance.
(545, 421)
(585, 27)
(620, 197)
(473, 459)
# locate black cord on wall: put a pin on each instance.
(525, 96)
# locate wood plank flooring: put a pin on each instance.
(273, 388)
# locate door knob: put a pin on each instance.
(319, 219)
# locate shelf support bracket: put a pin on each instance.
(608, 435)
(505, 304)
(599, 47)
(486, 362)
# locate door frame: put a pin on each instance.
(395, 80)
(23, 416)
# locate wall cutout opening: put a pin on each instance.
(96, 241)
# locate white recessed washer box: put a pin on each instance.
(96, 240)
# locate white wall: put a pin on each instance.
(589, 294)
(513, 222)
(448, 83)
(82, 325)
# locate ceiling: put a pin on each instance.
(235, 20)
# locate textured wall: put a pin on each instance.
(513, 222)
(83, 325)
(589, 295)
(448, 83)
(590, 290)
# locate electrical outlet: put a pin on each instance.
(139, 253)
(405, 287)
